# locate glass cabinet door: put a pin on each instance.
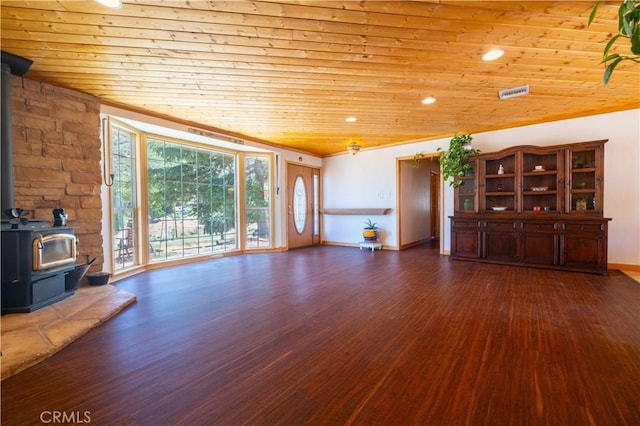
(465, 193)
(584, 188)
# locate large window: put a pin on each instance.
(189, 197)
(257, 201)
(123, 190)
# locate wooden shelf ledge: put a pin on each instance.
(372, 212)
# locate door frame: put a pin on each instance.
(316, 170)
(440, 199)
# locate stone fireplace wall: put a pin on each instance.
(57, 154)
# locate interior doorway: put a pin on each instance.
(303, 205)
(419, 201)
(434, 196)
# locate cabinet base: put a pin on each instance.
(532, 265)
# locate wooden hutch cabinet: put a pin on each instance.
(533, 206)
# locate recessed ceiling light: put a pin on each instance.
(114, 4)
(492, 55)
(428, 100)
(351, 119)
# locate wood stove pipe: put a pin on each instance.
(16, 65)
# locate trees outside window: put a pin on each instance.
(257, 201)
(123, 166)
(188, 200)
(192, 205)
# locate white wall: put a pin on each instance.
(365, 180)
(368, 178)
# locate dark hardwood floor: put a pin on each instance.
(335, 335)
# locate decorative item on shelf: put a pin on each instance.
(537, 208)
(581, 204)
(499, 208)
(453, 160)
(467, 204)
(370, 231)
(353, 148)
(500, 170)
(576, 162)
(499, 188)
(538, 168)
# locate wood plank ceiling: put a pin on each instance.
(290, 72)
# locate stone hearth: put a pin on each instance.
(29, 338)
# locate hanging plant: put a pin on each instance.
(417, 159)
(629, 28)
(454, 160)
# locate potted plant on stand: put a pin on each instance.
(370, 231)
(454, 160)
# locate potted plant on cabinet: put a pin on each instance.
(370, 231)
(454, 160)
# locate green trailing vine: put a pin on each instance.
(454, 160)
(417, 159)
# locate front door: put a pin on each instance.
(303, 220)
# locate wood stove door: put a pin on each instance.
(50, 251)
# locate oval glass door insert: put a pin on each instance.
(299, 204)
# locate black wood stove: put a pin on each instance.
(38, 262)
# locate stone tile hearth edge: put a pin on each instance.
(29, 338)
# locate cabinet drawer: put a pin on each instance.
(501, 226)
(466, 224)
(591, 228)
(539, 227)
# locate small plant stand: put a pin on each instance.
(371, 245)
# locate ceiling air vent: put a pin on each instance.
(512, 93)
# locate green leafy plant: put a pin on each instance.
(370, 225)
(629, 28)
(417, 159)
(454, 160)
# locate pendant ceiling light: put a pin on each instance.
(353, 148)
